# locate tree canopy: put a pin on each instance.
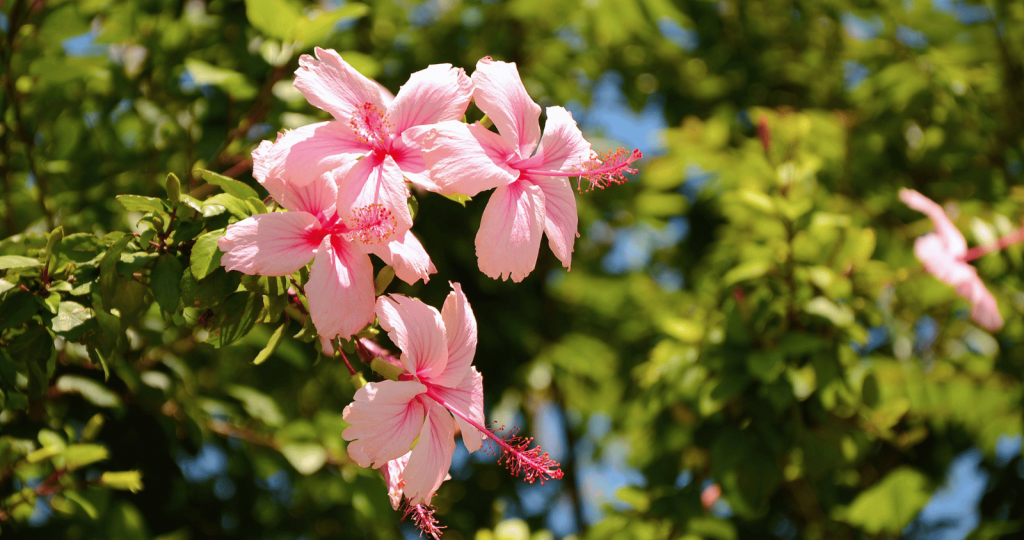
(744, 346)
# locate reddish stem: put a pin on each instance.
(1015, 237)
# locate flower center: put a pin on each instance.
(371, 224)
(371, 126)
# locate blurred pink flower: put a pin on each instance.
(340, 288)
(944, 255)
(386, 417)
(530, 173)
(710, 495)
(367, 127)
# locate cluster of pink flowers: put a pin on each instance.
(343, 184)
(944, 254)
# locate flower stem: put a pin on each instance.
(1015, 237)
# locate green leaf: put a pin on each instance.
(79, 247)
(312, 31)
(5, 286)
(234, 318)
(231, 82)
(229, 185)
(459, 198)
(138, 203)
(92, 391)
(173, 187)
(275, 338)
(383, 279)
(206, 255)
(746, 271)
(17, 261)
(164, 280)
(225, 201)
(276, 19)
(306, 458)
(54, 238)
(890, 505)
(108, 273)
(840, 315)
(259, 405)
(86, 505)
(16, 308)
(70, 315)
(766, 365)
(77, 456)
(123, 480)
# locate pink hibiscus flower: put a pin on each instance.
(529, 172)
(340, 288)
(437, 390)
(944, 255)
(367, 127)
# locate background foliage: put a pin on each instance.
(748, 312)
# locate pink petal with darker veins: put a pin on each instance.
(419, 332)
(432, 457)
(560, 216)
(462, 158)
(508, 241)
(435, 94)
(385, 419)
(408, 258)
(499, 93)
(340, 289)
(466, 399)
(394, 479)
(301, 155)
(275, 244)
(562, 148)
(330, 83)
(461, 334)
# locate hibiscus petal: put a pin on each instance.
(462, 158)
(385, 419)
(435, 94)
(467, 400)
(275, 244)
(406, 255)
(984, 309)
(318, 197)
(460, 330)
(340, 289)
(330, 83)
(375, 181)
(509, 237)
(418, 330)
(394, 478)
(409, 158)
(562, 148)
(955, 242)
(499, 93)
(430, 460)
(560, 216)
(937, 260)
(301, 155)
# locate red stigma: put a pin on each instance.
(515, 454)
(607, 168)
(371, 125)
(371, 224)
(423, 518)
